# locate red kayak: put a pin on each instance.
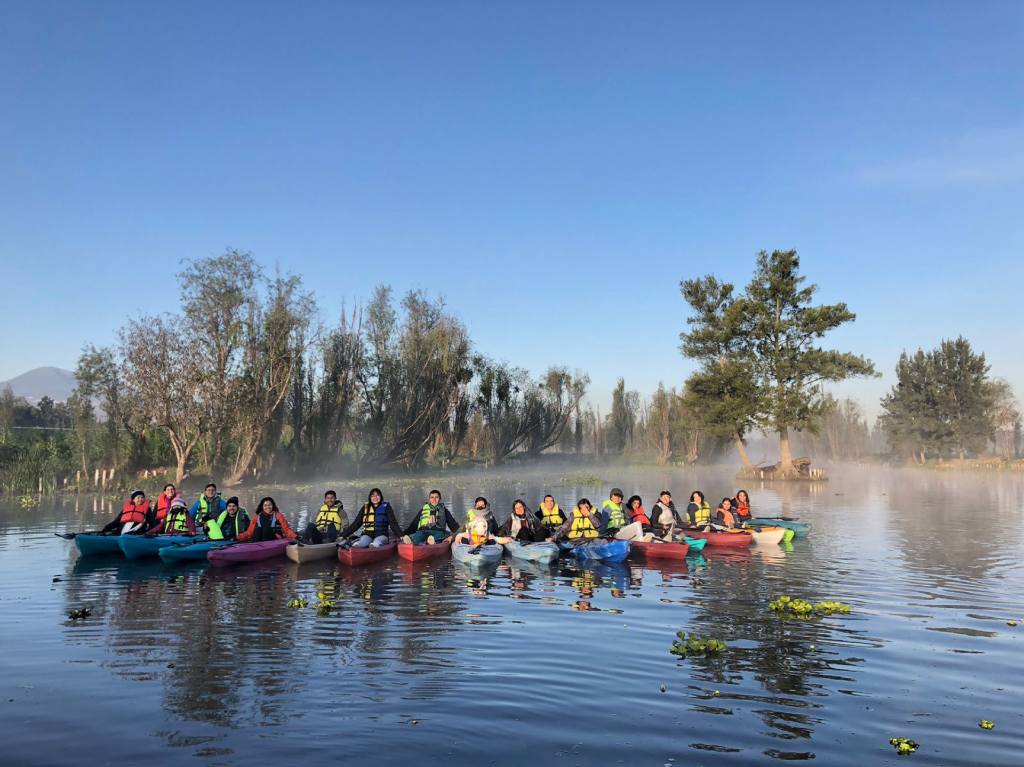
(237, 553)
(655, 550)
(356, 557)
(414, 552)
(739, 539)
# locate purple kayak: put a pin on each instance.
(237, 553)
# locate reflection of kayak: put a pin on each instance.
(769, 536)
(602, 551)
(416, 552)
(238, 553)
(192, 551)
(736, 539)
(138, 546)
(532, 552)
(476, 555)
(309, 552)
(97, 543)
(800, 529)
(354, 557)
(661, 549)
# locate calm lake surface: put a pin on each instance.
(429, 663)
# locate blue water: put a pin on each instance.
(431, 663)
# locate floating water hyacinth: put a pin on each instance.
(792, 607)
(986, 724)
(903, 746)
(323, 605)
(297, 602)
(693, 645)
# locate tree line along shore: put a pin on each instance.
(248, 382)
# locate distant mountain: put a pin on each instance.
(55, 383)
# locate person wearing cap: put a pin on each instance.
(177, 522)
(233, 520)
(132, 517)
(664, 516)
(210, 504)
(615, 520)
(330, 520)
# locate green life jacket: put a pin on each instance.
(204, 508)
(213, 531)
(176, 521)
(430, 520)
(241, 523)
(615, 514)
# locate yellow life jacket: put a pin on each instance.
(213, 531)
(702, 516)
(582, 527)
(551, 519)
(432, 521)
(329, 514)
(375, 520)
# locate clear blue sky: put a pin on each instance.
(554, 169)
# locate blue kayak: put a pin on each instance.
(97, 543)
(190, 551)
(601, 551)
(138, 546)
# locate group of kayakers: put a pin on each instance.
(376, 523)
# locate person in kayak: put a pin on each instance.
(269, 524)
(615, 518)
(741, 505)
(377, 519)
(163, 505)
(637, 515)
(522, 526)
(697, 511)
(132, 518)
(480, 527)
(550, 516)
(664, 517)
(329, 522)
(210, 504)
(724, 514)
(233, 520)
(176, 522)
(584, 524)
(433, 522)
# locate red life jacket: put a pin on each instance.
(743, 509)
(163, 505)
(134, 513)
(639, 515)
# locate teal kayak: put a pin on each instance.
(97, 543)
(800, 529)
(138, 546)
(696, 544)
(189, 551)
(601, 551)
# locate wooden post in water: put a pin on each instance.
(95, 479)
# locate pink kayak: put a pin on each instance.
(357, 557)
(237, 553)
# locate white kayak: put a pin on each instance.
(476, 555)
(768, 536)
(310, 552)
(532, 552)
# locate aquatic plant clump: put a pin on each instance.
(986, 724)
(903, 746)
(297, 602)
(696, 646)
(792, 607)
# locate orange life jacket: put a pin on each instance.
(133, 513)
(728, 518)
(743, 509)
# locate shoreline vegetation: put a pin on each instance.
(247, 384)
